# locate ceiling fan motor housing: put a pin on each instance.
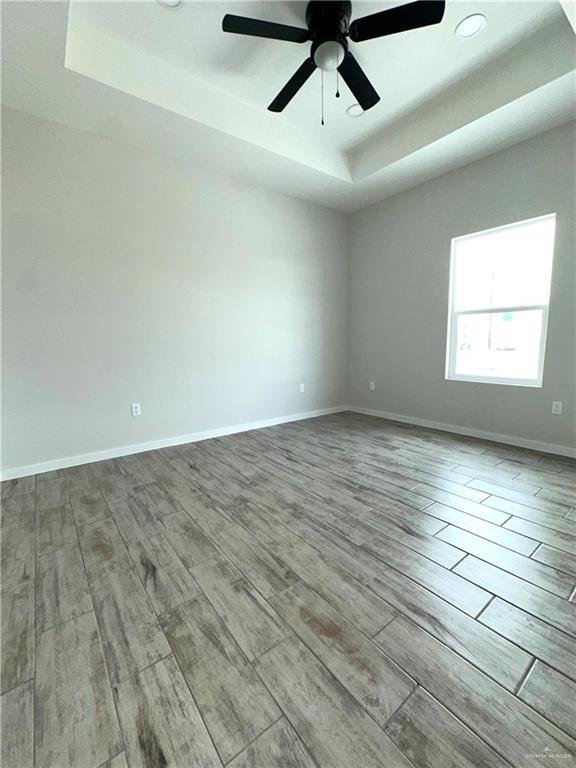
(328, 23)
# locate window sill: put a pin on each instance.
(533, 384)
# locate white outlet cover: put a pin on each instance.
(302, 387)
(135, 409)
(372, 386)
(557, 407)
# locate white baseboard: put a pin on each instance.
(127, 450)
(520, 442)
(194, 437)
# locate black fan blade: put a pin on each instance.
(422, 13)
(358, 83)
(241, 25)
(293, 86)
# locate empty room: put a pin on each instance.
(288, 424)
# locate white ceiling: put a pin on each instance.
(171, 80)
(406, 69)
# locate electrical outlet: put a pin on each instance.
(135, 409)
(302, 387)
(372, 386)
(557, 407)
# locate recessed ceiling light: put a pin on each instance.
(471, 25)
(355, 110)
(169, 3)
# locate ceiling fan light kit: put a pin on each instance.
(329, 55)
(329, 29)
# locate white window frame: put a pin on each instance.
(453, 315)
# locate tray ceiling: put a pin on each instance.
(171, 79)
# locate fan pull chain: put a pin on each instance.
(322, 95)
(337, 85)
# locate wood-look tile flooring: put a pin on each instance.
(342, 592)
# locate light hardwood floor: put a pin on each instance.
(334, 593)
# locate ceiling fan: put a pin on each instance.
(328, 29)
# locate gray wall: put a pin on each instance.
(128, 277)
(131, 278)
(399, 271)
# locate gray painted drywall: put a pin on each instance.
(399, 265)
(129, 278)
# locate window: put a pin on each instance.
(499, 295)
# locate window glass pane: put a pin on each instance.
(503, 344)
(504, 267)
